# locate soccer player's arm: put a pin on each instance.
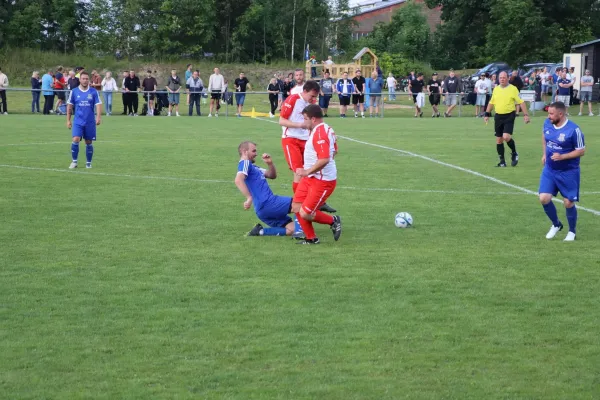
(240, 181)
(271, 172)
(98, 104)
(578, 143)
(69, 109)
(321, 145)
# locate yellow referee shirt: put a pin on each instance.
(505, 98)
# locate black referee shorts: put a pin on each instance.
(504, 123)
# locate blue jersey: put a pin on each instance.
(256, 183)
(562, 140)
(84, 103)
(563, 91)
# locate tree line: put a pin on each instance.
(473, 32)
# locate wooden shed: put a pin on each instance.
(336, 70)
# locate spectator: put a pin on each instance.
(173, 87)
(216, 87)
(241, 84)
(78, 71)
(545, 80)
(313, 68)
(328, 63)
(3, 86)
(451, 86)
(109, 85)
(96, 80)
(281, 87)
(47, 81)
(188, 72)
(273, 90)
(132, 86)
(345, 88)
(416, 89)
(564, 84)
(585, 93)
(149, 86)
(358, 98)
(60, 84)
(412, 76)
(481, 89)
(327, 89)
(195, 86)
(517, 82)
(125, 96)
(573, 78)
(494, 82)
(391, 85)
(287, 88)
(72, 82)
(433, 87)
(36, 85)
(488, 96)
(375, 89)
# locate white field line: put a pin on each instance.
(469, 171)
(180, 179)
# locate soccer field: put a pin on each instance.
(135, 279)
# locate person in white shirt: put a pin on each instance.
(3, 86)
(545, 78)
(573, 78)
(585, 93)
(109, 85)
(216, 87)
(481, 88)
(391, 84)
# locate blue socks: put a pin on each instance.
(572, 218)
(274, 232)
(297, 227)
(74, 150)
(89, 152)
(550, 210)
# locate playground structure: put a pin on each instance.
(336, 70)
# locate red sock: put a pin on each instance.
(294, 187)
(322, 218)
(307, 227)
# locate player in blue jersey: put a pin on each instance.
(563, 147)
(251, 180)
(83, 99)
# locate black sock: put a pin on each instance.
(511, 144)
(500, 150)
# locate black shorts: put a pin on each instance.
(60, 95)
(215, 94)
(504, 123)
(434, 99)
(149, 96)
(358, 99)
(344, 100)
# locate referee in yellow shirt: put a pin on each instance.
(504, 98)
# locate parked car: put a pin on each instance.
(527, 69)
(491, 69)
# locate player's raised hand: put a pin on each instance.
(267, 158)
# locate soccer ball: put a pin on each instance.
(403, 220)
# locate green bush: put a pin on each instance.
(399, 65)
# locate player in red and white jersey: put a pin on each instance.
(319, 177)
(298, 82)
(295, 130)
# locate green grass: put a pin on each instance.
(134, 279)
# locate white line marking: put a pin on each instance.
(469, 171)
(180, 179)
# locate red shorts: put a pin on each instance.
(293, 149)
(313, 193)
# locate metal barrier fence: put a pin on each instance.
(393, 104)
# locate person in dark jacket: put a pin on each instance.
(36, 85)
(517, 82)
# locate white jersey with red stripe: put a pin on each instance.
(321, 144)
(292, 110)
(297, 89)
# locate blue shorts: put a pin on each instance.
(87, 132)
(275, 212)
(239, 98)
(324, 101)
(173, 98)
(565, 182)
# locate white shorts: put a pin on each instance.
(564, 99)
(420, 101)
